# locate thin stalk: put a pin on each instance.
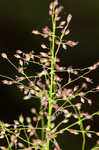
(8, 142)
(52, 78)
(42, 119)
(81, 124)
(76, 78)
(27, 137)
(75, 123)
(12, 64)
(42, 124)
(9, 131)
(60, 42)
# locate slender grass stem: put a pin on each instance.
(27, 137)
(60, 42)
(12, 64)
(42, 123)
(75, 123)
(9, 131)
(81, 124)
(51, 76)
(6, 77)
(76, 78)
(8, 142)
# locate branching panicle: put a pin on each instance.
(56, 98)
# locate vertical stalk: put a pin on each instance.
(9, 146)
(81, 125)
(51, 76)
(42, 124)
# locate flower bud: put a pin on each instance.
(36, 32)
(62, 23)
(55, 3)
(43, 46)
(97, 88)
(44, 54)
(4, 55)
(21, 119)
(67, 32)
(69, 17)
(19, 51)
(17, 56)
(5, 81)
(71, 43)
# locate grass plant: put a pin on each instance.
(56, 96)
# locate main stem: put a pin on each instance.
(52, 79)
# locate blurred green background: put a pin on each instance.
(17, 20)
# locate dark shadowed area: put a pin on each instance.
(17, 20)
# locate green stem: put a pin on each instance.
(8, 142)
(26, 134)
(52, 78)
(12, 64)
(75, 123)
(60, 42)
(42, 118)
(76, 78)
(81, 123)
(9, 131)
